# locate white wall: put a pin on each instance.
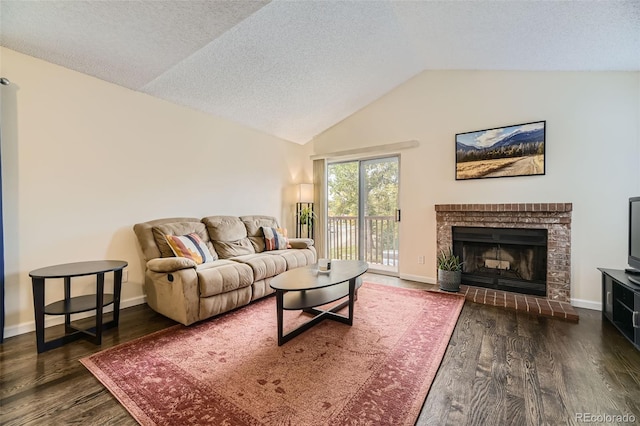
(84, 160)
(593, 148)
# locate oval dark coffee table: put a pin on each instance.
(307, 288)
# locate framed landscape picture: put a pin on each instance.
(503, 151)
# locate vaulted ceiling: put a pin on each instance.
(295, 68)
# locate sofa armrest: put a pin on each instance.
(174, 294)
(170, 264)
(300, 243)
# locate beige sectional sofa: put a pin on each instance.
(240, 273)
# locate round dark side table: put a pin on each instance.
(73, 305)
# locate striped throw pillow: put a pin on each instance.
(189, 246)
(275, 238)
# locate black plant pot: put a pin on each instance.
(449, 280)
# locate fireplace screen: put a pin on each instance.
(509, 259)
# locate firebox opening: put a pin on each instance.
(509, 259)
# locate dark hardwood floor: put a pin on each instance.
(501, 368)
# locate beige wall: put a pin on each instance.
(84, 160)
(593, 147)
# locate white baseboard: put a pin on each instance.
(418, 278)
(51, 320)
(586, 304)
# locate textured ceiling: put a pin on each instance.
(295, 68)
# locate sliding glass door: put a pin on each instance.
(363, 213)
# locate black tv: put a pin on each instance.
(634, 240)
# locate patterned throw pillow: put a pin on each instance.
(275, 238)
(189, 246)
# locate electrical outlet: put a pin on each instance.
(421, 260)
(125, 276)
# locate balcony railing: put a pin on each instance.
(380, 239)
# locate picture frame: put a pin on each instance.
(508, 151)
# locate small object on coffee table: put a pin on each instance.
(324, 265)
(305, 289)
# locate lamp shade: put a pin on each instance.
(305, 193)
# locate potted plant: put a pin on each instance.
(449, 270)
(306, 216)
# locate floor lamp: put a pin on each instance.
(304, 211)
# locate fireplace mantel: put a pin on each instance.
(508, 207)
(554, 217)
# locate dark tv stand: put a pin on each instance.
(621, 302)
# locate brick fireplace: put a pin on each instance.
(555, 218)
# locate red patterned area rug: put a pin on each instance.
(230, 370)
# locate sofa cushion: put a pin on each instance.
(189, 246)
(275, 238)
(223, 276)
(296, 258)
(228, 235)
(180, 228)
(254, 226)
(263, 265)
